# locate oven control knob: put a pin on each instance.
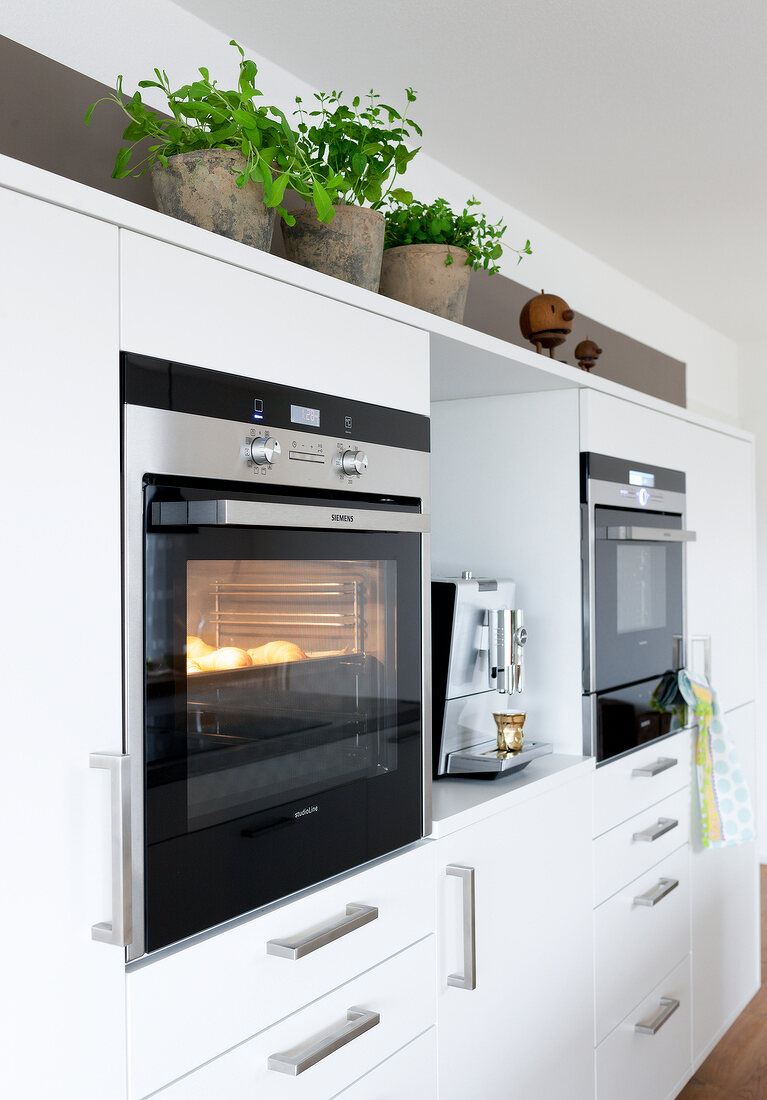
(354, 462)
(265, 449)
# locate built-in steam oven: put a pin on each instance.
(275, 584)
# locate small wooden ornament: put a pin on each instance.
(587, 353)
(546, 321)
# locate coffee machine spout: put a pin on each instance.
(519, 640)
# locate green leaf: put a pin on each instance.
(121, 168)
(278, 190)
(89, 112)
(322, 203)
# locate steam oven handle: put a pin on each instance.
(256, 513)
(119, 930)
(646, 534)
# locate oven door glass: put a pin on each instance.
(638, 589)
(283, 713)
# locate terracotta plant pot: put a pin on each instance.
(200, 188)
(416, 274)
(349, 248)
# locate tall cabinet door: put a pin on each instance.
(526, 1029)
(721, 562)
(60, 431)
(725, 914)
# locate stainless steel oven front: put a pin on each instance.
(633, 568)
(276, 648)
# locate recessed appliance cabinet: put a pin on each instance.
(86, 275)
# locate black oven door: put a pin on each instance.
(283, 718)
(638, 595)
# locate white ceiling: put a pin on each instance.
(635, 128)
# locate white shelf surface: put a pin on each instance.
(465, 363)
(457, 803)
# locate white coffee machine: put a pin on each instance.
(478, 644)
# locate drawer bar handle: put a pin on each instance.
(658, 893)
(358, 1021)
(356, 916)
(665, 825)
(668, 1007)
(662, 764)
(467, 980)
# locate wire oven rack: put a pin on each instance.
(325, 615)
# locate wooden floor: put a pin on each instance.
(736, 1069)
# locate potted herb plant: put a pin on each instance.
(220, 160)
(356, 152)
(430, 252)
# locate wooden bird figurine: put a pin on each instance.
(587, 353)
(546, 321)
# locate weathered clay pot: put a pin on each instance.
(416, 274)
(349, 248)
(200, 188)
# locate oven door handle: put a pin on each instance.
(256, 513)
(646, 534)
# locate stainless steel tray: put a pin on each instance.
(484, 760)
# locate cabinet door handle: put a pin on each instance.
(653, 832)
(356, 916)
(662, 764)
(668, 1007)
(119, 930)
(467, 980)
(358, 1021)
(705, 641)
(657, 893)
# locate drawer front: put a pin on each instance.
(192, 1005)
(619, 792)
(401, 991)
(636, 1066)
(409, 1072)
(629, 849)
(636, 942)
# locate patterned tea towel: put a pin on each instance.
(725, 806)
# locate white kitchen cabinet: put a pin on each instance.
(647, 1056)
(196, 1002)
(412, 1071)
(725, 915)
(63, 993)
(642, 886)
(373, 1016)
(526, 1028)
(720, 564)
(263, 328)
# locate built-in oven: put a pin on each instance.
(633, 575)
(276, 596)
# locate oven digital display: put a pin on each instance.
(299, 414)
(639, 477)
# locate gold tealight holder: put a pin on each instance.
(510, 730)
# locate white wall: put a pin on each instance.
(104, 39)
(753, 396)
